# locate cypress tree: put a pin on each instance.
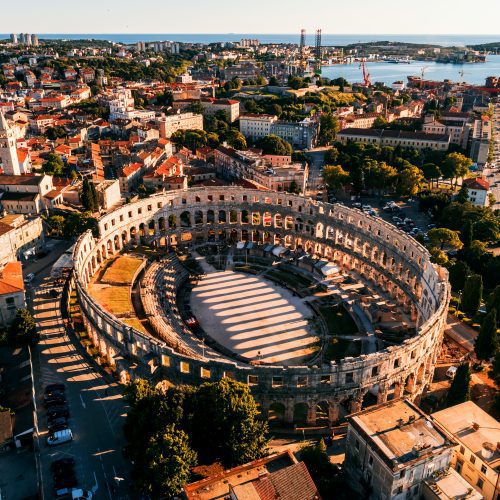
(472, 294)
(468, 234)
(459, 391)
(458, 275)
(487, 341)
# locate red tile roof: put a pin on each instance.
(11, 278)
(477, 183)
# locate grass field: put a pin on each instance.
(121, 270)
(114, 299)
(339, 321)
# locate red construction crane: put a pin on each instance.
(366, 75)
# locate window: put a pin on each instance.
(253, 379)
(402, 474)
(480, 483)
(184, 367)
(356, 444)
(349, 378)
(472, 459)
(165, 360)
(325, 379)
(204, 372)
(462, 450)
(483, 469)
(374, 371)
(396, 363)
(302, 381)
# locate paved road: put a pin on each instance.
(492, 175)
(316, 161)
(461, 333)
(97, 408)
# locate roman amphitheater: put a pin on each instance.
(320, 309)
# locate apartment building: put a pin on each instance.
(210, 106)
(168, 125)
(361, 120)
(301, 135)
(392, 448)
(20, 237)
(12, 296)
(476, 455)
(478, 190)
(457, 130)
(232, 164)
(480, 144)
(417, 140)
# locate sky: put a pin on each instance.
(252, 16)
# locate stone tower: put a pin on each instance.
(8, 150)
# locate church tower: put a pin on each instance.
(8, 150)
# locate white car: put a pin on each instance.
(29, 278)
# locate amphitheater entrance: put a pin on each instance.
(254, 318)
(276, 414)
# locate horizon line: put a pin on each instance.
(255, 33)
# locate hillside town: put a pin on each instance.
(351, 228)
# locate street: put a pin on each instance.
(96, 406)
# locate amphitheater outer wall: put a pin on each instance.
(376, 249)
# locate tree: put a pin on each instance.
(273, 82)
(468, 234)
(54, 165)
(53, 133)
(441, 237)
(431, 172)
(294, 187)
(472, 294)
(196, 107)
(88, 196)
(332, 156)
(236, 139)
(274, 145)
(380, 122)
(456, 165)
(335, 176)
(409, 180)
(459, 391)
(325, 475)
(225, 423)
(486, 343)
(329, 126)
(493, 301)
(23, 328)
(463, 195)
(137, 390)
(167, 463)
(458, 273)
(56, 223)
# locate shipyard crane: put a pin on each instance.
(318, 52)
(366, 76)
(422, 74)
(461, 73)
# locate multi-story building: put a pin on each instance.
(20, 237)
(457, 130)
(480, 144)
(12, 296)
(301, 135)
(392, 448)
(267, 172)
(476, 456)
(478, 190)
(25, 194)
(211, 106)
(168, 125)
(361, 120)
(417, 140)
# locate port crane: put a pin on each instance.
(422, 74)
(366, 76)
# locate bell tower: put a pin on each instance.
(8, 150)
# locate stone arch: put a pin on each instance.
(233, 217)
(172, 221)
(124, 237)
(300, 413)
(267, 219)
(245, 219)
(162, 224)
(210, 217)
(222, 217)
(185, 219)
(289, 222)
(410, 383)
(256, 219)
(276, 413)
(198, 218)
(142, 229)
(151, 227)
(116, 242)
(322, 413)
(278, 221)
(421, 373)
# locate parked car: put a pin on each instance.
(54, 399)
(54, 387)
(58, 411)
(29, 278)
(60, 437)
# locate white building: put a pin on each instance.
(478, 190)
(256, 126)
(391, 449)
(168, 125)
(20, 237)
(8, 151)
(476, 456)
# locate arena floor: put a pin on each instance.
(254, 317)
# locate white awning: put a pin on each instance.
(240, 245)
(278, 251)
(330, 269)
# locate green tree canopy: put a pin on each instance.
(472, 294)
(329, 126)
(274, 145)
(486, 343)
(459, 391)
(23, 328)
(53, 165)
(335, 176)
(409, 180)
(493, 301)
(441, 237)
(456, 165)
(458, 273)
